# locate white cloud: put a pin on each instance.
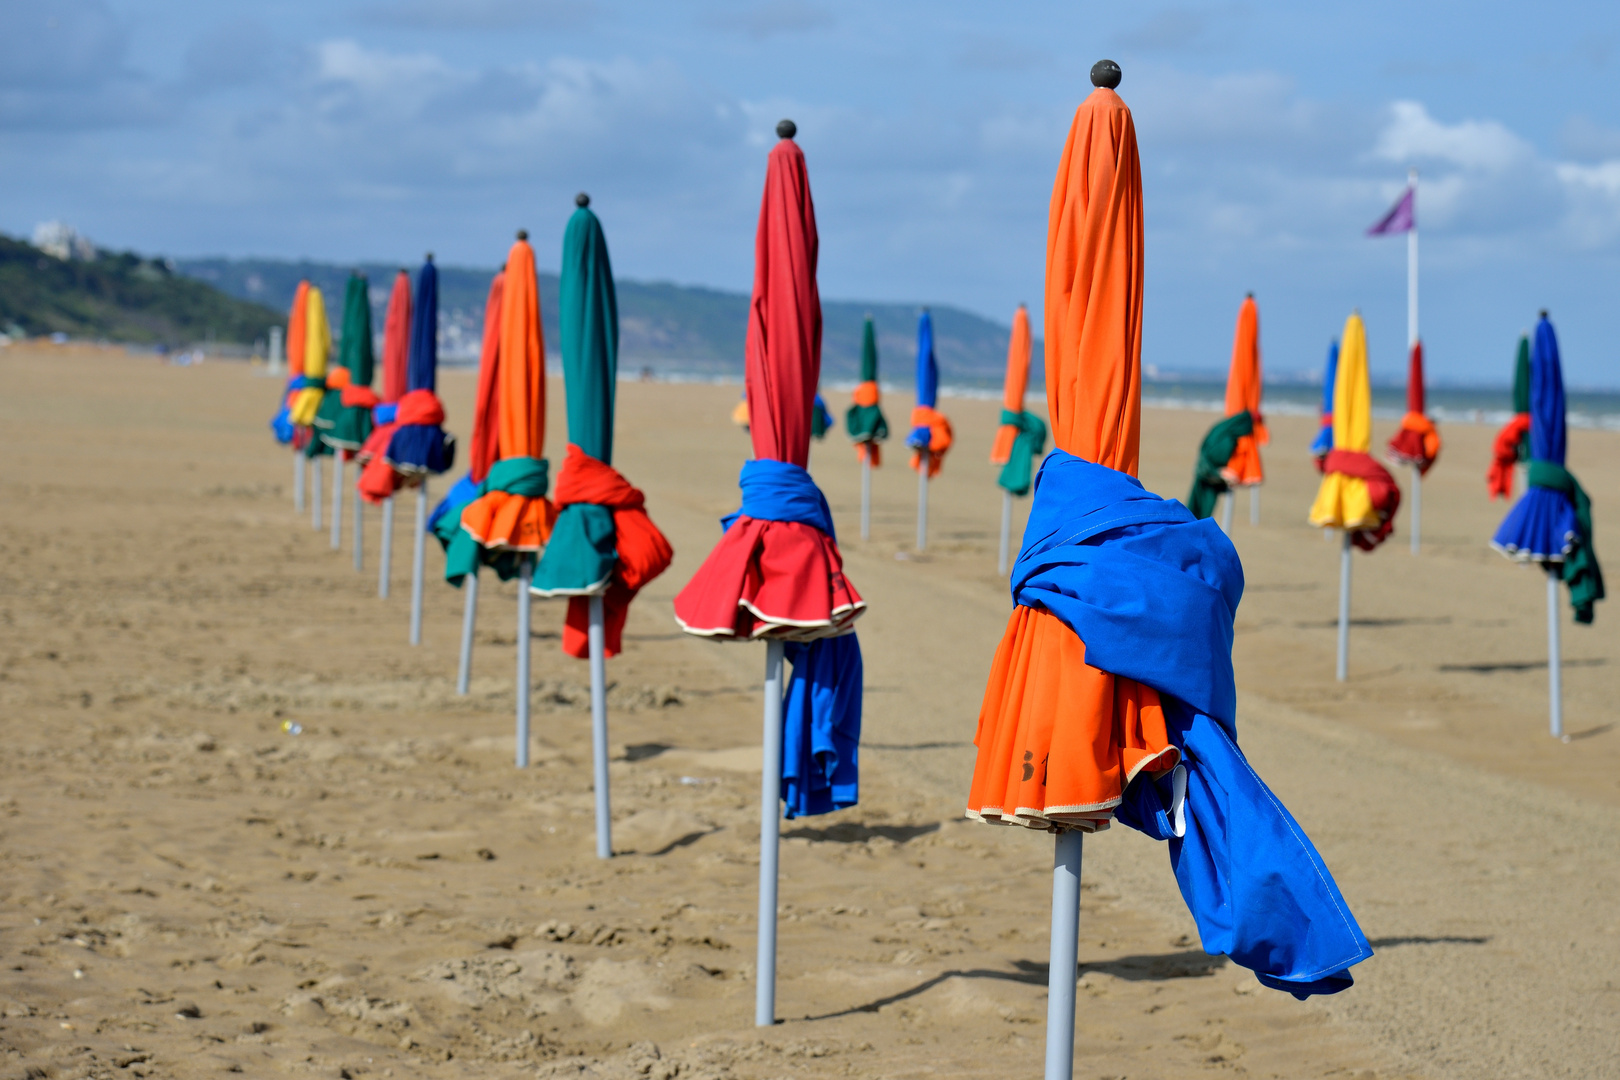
(1412, 135)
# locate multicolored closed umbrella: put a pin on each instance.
(1111, 695)
(1021, 438)
(396, 358)
(865, 422)
(462, 554)
(603, 547)
(1551, 525)
(343, 420)
(1230, 453)
(930, 434)
(1357, 495)
(511, 518)
(281, 424)
(306, 402)
(1512, 444)
(777, 573)
(1330, 380)
(414, 445)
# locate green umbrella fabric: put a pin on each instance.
(865, 422)
(580, 555)
(1018, 475)
(1213, 454)
(1521, 393)
(351, 423)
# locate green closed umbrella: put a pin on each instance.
(344, 418)
(865, 423)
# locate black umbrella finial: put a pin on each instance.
(1249, 295)
(1543, 313)
(523, 234)
(786, 129)
(1106, 73)
(582, 200)
(428, 257)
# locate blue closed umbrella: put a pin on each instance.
(930, 432)
(1324, 438)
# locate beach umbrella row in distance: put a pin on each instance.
(396, 358)
(344, 419)
(1021, 438)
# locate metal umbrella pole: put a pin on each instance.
(315, 494)
(866, 494)
(385, 556)
(922, 500)
(770, 828)
(337, 500)
(1555, 670)
(1006, 532)
(525, 576)
(1064, 961)
(1254, 504)
(1226, 510)
(417, 559)
(599, 743)
(359, 527)
(469, 619)
(298, 482)
(1343, 668)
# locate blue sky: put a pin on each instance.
(1272, 134)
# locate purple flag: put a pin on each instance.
(1401, 218)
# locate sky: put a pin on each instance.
(1271, 134)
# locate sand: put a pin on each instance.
(186, 888)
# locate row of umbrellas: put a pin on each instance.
(1111, 696)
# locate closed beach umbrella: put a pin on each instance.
(930, 434)
(414, 445)
(1111, 695)
(1551, 524)
(1330, 377)
(462, 554)
(511, 518)
(1230, 453)
(777, 573)
(343, 420)
(1021, 438)
(396, 352)
(286, 432)
(306, 402)
(603, 547)
(1512, 444)
(1417, 441)
(866, 424)
(1357, 495)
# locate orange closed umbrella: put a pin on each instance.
(1021, 438)
(1243, 386)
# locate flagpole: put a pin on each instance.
(1411, 343)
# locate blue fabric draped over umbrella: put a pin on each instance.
(1552, 522)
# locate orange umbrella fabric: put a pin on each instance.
(1243, 395)
(1059, 741)
(1014, 387)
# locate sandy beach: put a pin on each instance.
(187, 889)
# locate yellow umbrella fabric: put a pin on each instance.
(1345, 500)
(317, 346)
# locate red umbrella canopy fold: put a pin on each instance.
(397, 338)
(784, 313)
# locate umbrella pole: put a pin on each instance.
(385, 557)
(1226, 511)
(866, 494)
(525, 574)
(315, 494)
(922, 500)
(469, 617)
(599, 743)
(416, 561)
(337, 501)
(770, 811)
(1343, 668)
(1006, 532)
(298, 482)
(1555, 673)
(1417, 508)
(1254, 504)
(359, 527)
(1064, 961)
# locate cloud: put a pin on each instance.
(771, 18)
(1412, 135)
(1583, 140)
(64, 65)
(484, 14)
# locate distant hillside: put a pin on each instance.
(673, 329)
(120, 297)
